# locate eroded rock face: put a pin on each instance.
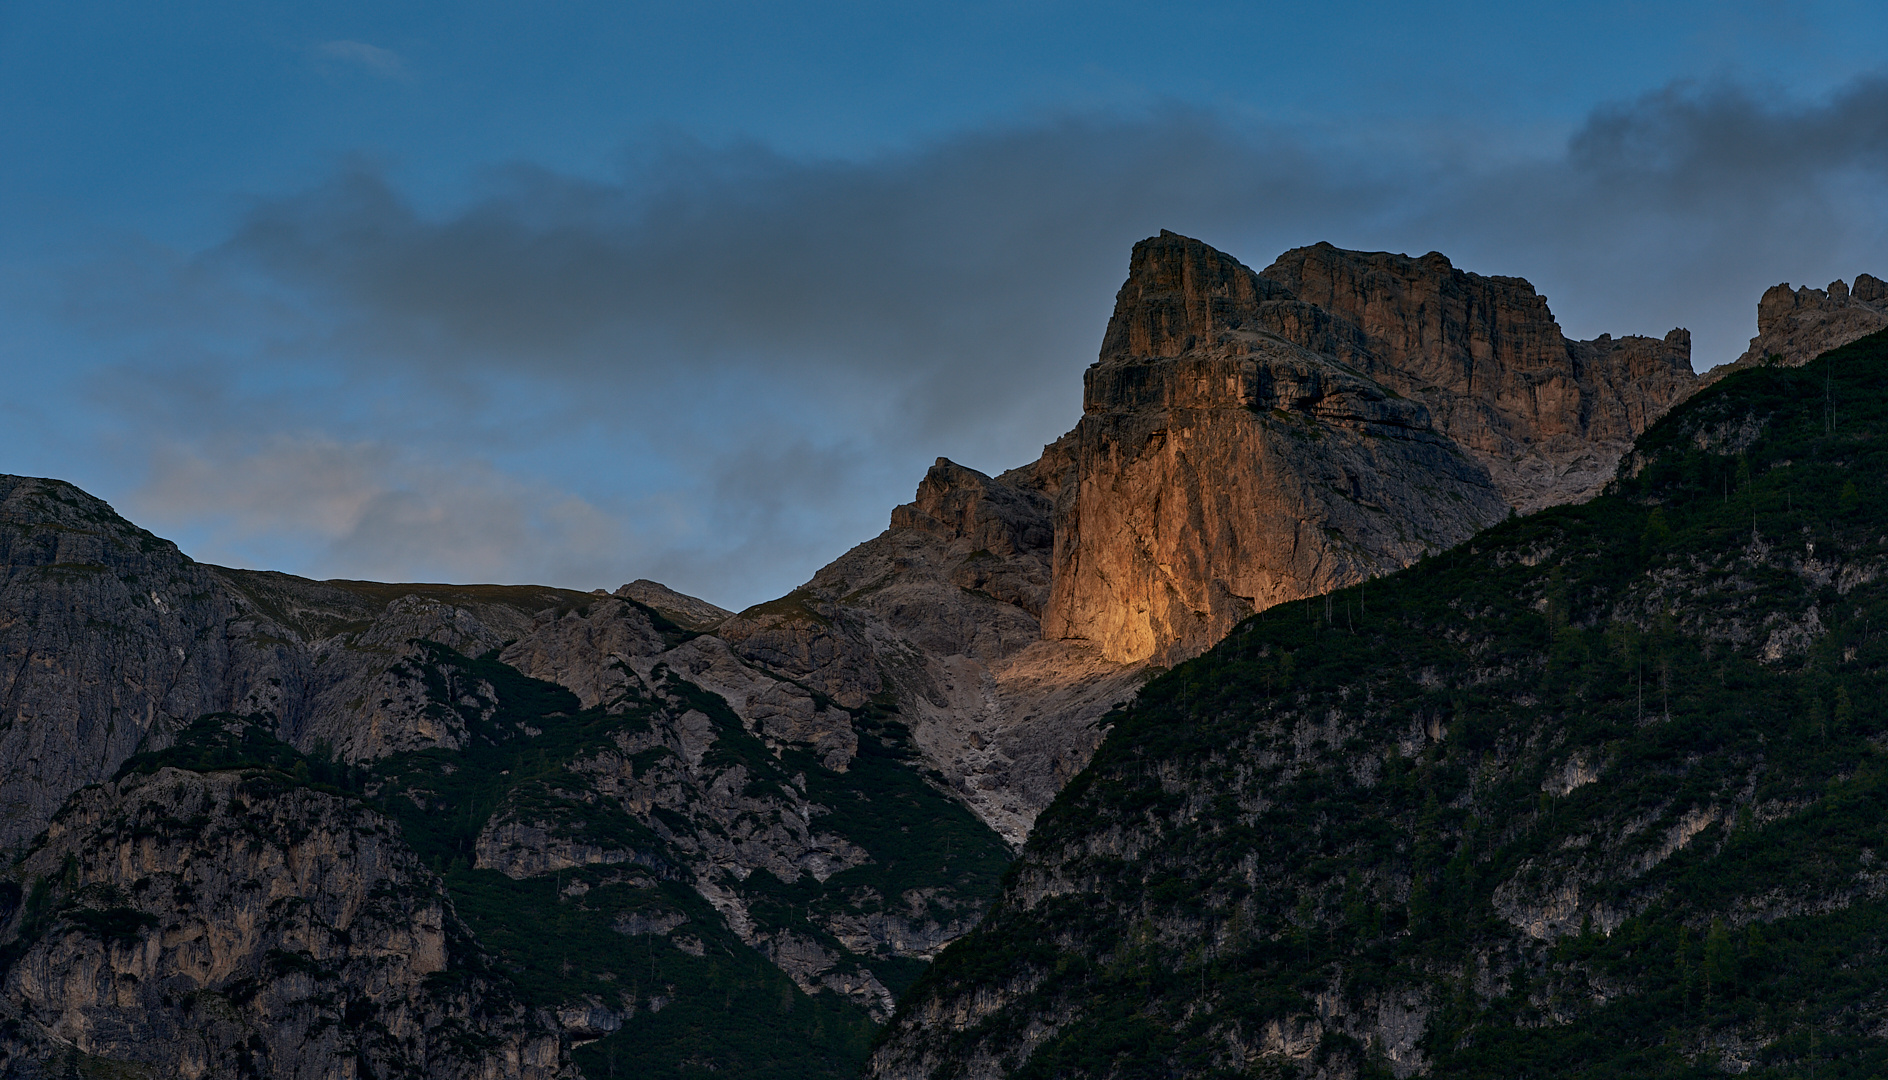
(108, 636)
(1204, 898)
(688, 612)
(1010, 527)
(209, 925)
(1548, 417)
(111, 640)
(739, 807)
(368, 673)
(1222, 470)
(939, 617)
(1798, 325)
(348, 656)
(1247, 439)
(586, 651)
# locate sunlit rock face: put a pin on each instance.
(939, 618)
(1224, 468)
(1249, 439)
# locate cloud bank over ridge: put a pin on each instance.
(725, 365)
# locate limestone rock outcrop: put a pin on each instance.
(939, 617)
(1422, 844)
(117, 642)
(688, 612)
(1223, 469)
(1547, 416)
(701, 768)
(343, 676)
(1798, 325)
(782, 777)
(108, 636)
(111, 640)
(182, 924)
(1247, 439)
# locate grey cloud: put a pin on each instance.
(368, 509)
(961, 285)
(788, 343)
(293, 480)
(1679, 208)
(1688, 141)
(984, 263)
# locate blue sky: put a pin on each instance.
(577, 293)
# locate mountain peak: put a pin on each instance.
(1179, 293)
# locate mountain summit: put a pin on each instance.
(1223, 467)
(1249, 439)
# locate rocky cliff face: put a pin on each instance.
(419, 684)
(1222, 470)
(1246, 439)
(745, 784)
(108, 636)
(111, 640)
(183, 924)
(687, 612)
(699, 827)
(1797, 325)
(940, 618)
(706, 836)
(765, 807)
(1548, 417)
(1600, 792)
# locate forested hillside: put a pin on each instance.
(1602, 792)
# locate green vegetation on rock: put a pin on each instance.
(1602, 792)
(649, 979)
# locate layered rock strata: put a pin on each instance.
(1222, 469)
(107, 634)
(111, 639)
(1547, 416)
(1247, 439)
(1432, 841)
(114, 642)
(688, 612)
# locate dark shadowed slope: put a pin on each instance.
(1602, 792)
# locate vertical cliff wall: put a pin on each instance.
(1222, 469)
(1548, 417)
(1246, 439)
(186, 924)
(1249, 439)
(1600, 794)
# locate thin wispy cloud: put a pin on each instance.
(361, 56)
